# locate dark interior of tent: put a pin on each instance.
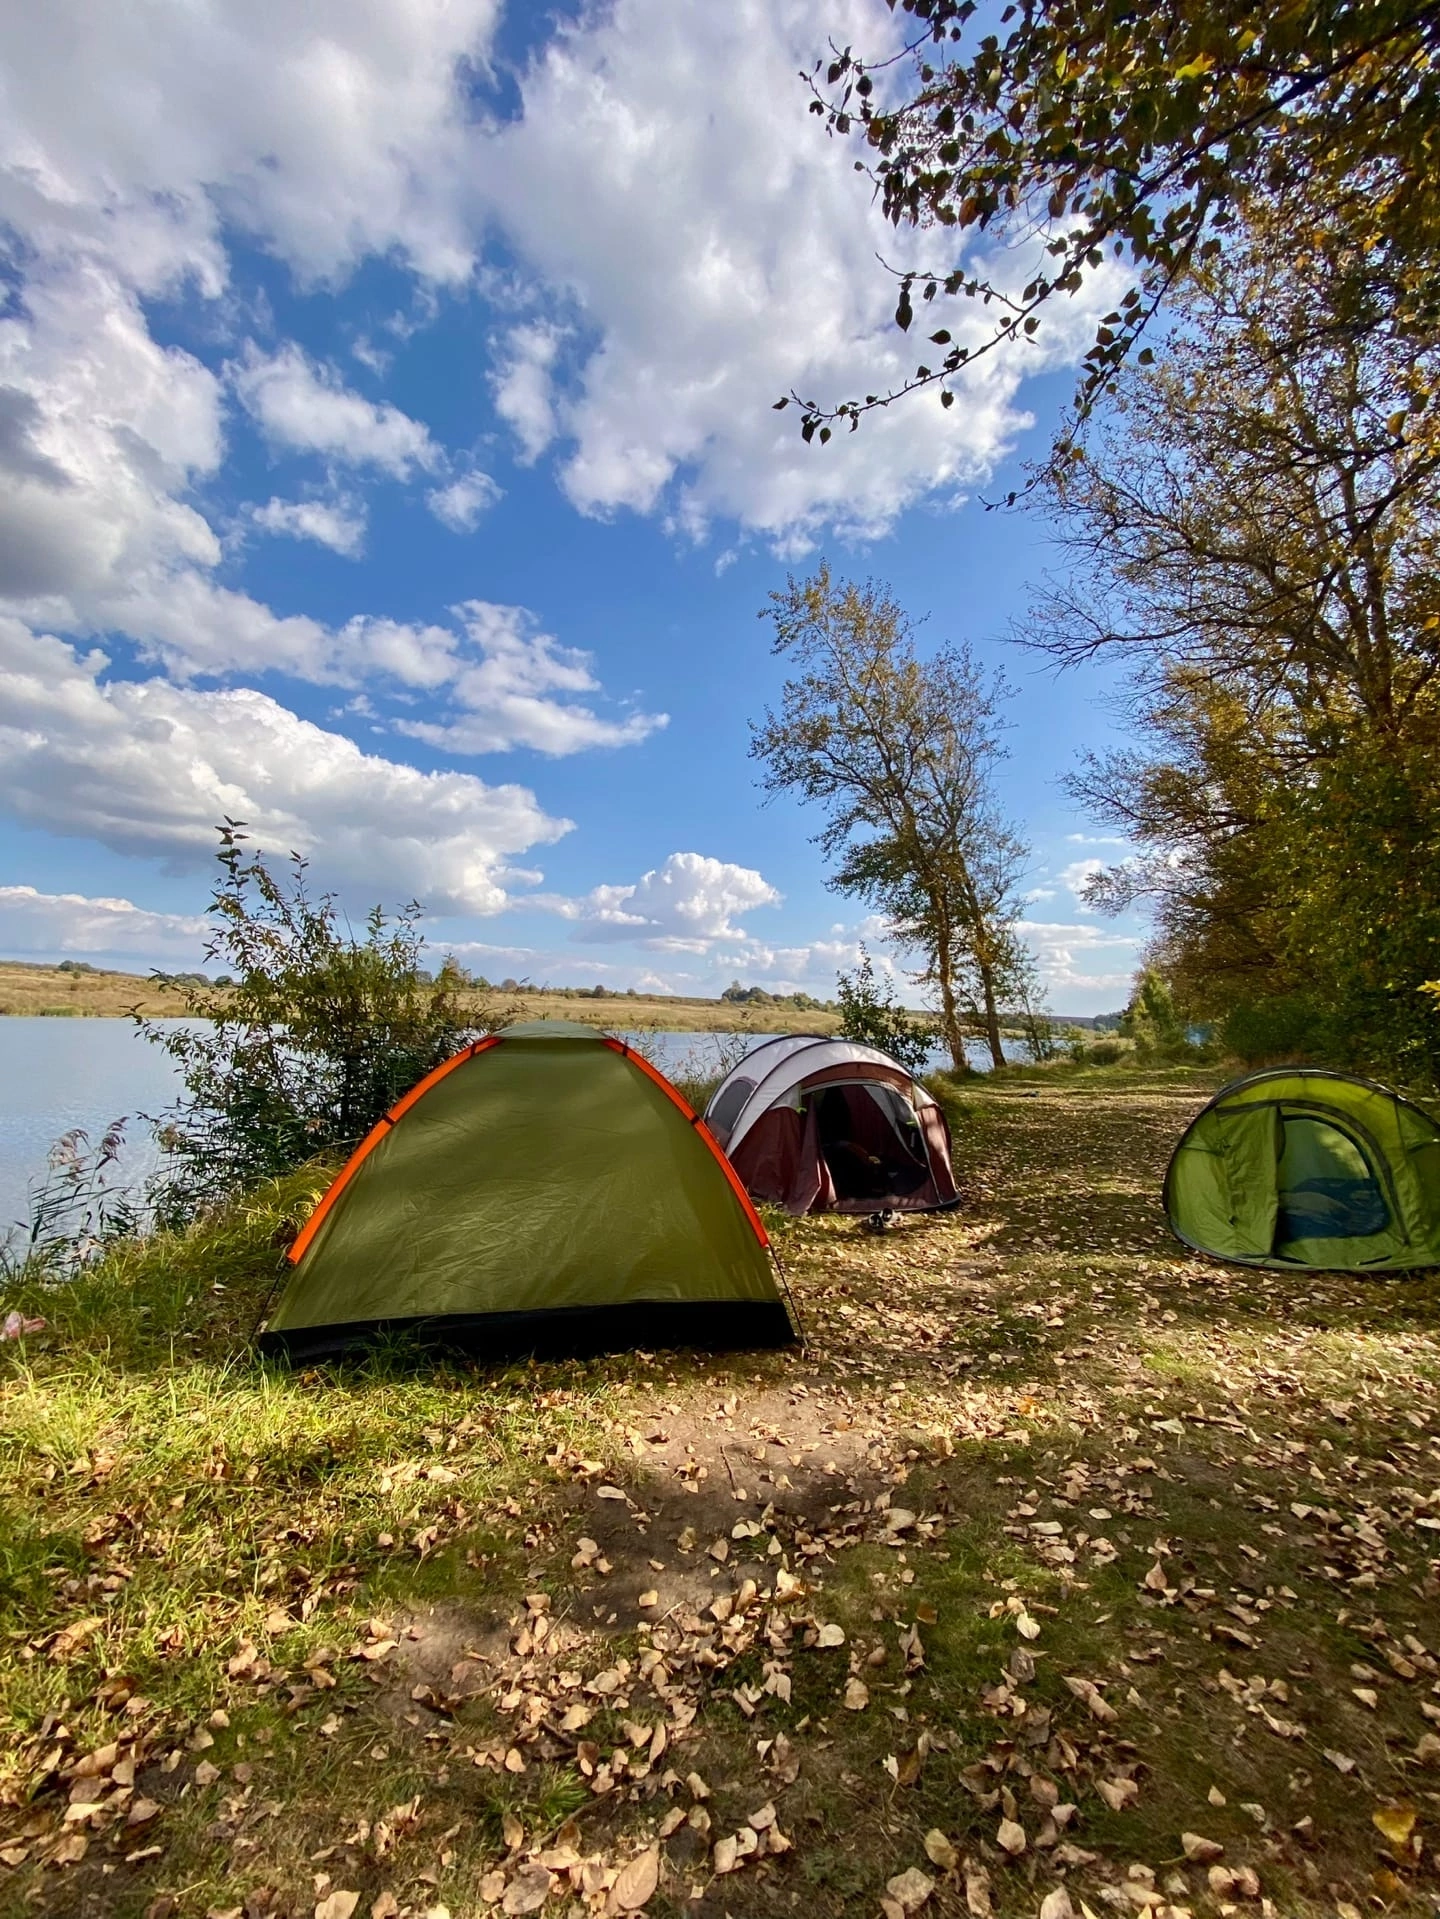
(870, 1141)
(1327, 1186)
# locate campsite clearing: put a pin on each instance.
(1060, 1566)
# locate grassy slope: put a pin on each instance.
(390, 1631)
(34, 990)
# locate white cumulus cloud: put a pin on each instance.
(716, 249)
(338, 524)
(306, 407)
(520, 692)
(685, 905)
(148, 768)
(461, 504)
(48, 923)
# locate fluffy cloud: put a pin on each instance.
(523, 383)
(1075, 877)
(717, 249)
(684, 906)
(148, 768)
(338, 524)
(460, 504)
(519, 692)
(48, 923)
(331, 132)
(307, 408)
(1061, 950)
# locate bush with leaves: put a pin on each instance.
(317, 1034)
(871, 1015)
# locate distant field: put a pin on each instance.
(48, 990)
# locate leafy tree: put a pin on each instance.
(900, 752)
(317, 1035)
(1259, 539)
(1151, 1019)
(1100, 135)
(871, 1015)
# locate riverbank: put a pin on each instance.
(1057, 1562)
(62, 992)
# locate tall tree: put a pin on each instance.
(900, 751)
(1105, 134)
(1257, 533)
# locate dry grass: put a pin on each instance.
(46, 990)
(1046, 1516)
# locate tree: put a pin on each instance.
(901, 753)
(871, 1015)
(1087, 136)
(316, 1036)
(1257, 534)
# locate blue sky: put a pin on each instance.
(389, 461)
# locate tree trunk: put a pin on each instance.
(949, 1017)
(992, 1016)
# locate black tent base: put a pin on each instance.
(575, 1332)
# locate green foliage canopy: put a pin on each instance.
(1091, 134)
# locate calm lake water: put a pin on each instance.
(58, 1074)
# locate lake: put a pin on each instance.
(57, 1074)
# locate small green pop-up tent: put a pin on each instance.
(1299, 1166)
(544, 1190)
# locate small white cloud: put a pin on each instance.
(1075, 876)
(523, 385)
(340, 525)
(306, 407)
(521, 692)
(1095, 839)
(460, 504)
(685, 905)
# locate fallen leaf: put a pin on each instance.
(648, 1599)
(1011, 1837)
(727, 1855)
(1342, 1762)
(606, 1492)
(910, 1889)
(528, 1890)
(637, 1882)
(831, 1635)
(1198, 1850)
(857, 1695)
(1056, 1905)
(939, 1851)
(337, 1905)
(1396, 1822)
(1100, 1706)
(1117, 1793)
(385, 1905)
(977, 1892)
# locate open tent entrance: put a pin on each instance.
(1327, 1187)
(870, 1141)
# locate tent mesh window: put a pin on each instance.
(1327, 1187)
(726, 1109)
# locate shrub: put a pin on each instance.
(317, 1036)
(871, 1015)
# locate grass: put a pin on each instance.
(46, 992)
(442, 1636)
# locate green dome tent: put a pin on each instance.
(544, 1190)
(1297, 1166)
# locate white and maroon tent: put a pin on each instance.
(826, 1125)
